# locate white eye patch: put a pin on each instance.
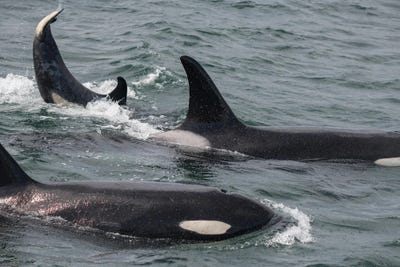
(205, 227)
(388, 162)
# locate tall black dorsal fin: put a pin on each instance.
(119, 93)
(10, 171)
(206, 105)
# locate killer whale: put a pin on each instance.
(55, 82)
(210, 122)
(152, 210)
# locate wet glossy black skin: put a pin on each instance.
(211, 117)
(303, 143)
(140, 209)
(151, 210)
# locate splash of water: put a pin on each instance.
(120, 117)
(22, 91)
(300, 231)
(151, 78)
(106, 86)
(17, 89)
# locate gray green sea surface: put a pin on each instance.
(277, 63)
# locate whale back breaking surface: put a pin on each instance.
(56, 83)
(142, 209)
(211, 123)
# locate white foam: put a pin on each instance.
(21, 90)
(107, 86)
(388, 162)
(17, 89)
(120, 117)
(150, 79)
(301, 231)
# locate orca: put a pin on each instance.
(210, 123)
(172, 211)
(55, 82)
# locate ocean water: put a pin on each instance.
(309, 63)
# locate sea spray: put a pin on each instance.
(300, 231)
(17, 89)
(121, 117)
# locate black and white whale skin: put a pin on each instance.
(210, 122)
(151, 210)
(56, 84)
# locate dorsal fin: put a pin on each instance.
(53, 76)
(206, 105)
(10, 171)
(119, 93)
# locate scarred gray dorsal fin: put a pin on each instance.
(10, 172)
(206, 105)
(55, 82)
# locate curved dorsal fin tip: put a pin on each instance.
(185, 58)
(120, 92)
(206, 104)
(57, 12)
(121, 79)
(50, 18)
